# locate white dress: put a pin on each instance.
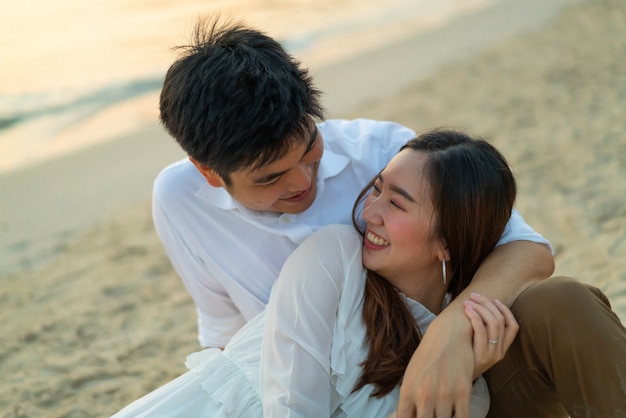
(298, 358)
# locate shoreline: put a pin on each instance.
(33, 235)
(56, 116)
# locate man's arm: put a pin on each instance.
(509, 270)
(442, 368)
(218, 318)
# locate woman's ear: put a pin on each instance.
(442, 251)
(208, 173)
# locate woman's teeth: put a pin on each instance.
(376, 240)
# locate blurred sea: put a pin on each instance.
(74, 73)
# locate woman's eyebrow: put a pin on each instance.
(397, 189)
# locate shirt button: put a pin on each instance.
(285, 219)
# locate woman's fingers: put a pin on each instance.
(494, 323)
(492, 316)
(494, 328)
(478, 325)
(511, 327)
(482, 358)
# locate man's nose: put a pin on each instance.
(301, 176)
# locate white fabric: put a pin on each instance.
(229, 256)
(310, 356)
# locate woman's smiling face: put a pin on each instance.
(399, 241)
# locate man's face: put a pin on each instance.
(287, 185)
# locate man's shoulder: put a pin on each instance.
(179, 184)
(176, 171)
(359, 126)
(342, 134)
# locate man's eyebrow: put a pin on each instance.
(269, 177)
(397, 189)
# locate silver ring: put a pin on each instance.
(493, 341)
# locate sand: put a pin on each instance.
(93, 315)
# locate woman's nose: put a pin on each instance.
(371, 212)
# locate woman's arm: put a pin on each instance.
(301, 315)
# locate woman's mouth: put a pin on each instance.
(375, 241)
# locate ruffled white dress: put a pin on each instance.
(298, 358)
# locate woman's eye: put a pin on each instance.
(395, 204)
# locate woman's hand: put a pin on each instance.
(494, 329)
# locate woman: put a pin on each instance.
(349, 308)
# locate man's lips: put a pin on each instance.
(300, 195)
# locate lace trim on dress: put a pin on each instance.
(224, 376)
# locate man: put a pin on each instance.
(262, 175)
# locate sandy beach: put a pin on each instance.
(93, 316)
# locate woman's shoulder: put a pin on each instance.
(333, 251)
(339, 230)
(336, 235)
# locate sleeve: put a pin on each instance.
(518, 230)
(218, 318)
(479, 403)
(301, 315)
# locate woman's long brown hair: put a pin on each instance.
(473, 192)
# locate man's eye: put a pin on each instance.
(269, 183)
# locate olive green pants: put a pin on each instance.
(568, 359)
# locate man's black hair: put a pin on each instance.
(236, 99)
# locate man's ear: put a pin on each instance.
(209, 174)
